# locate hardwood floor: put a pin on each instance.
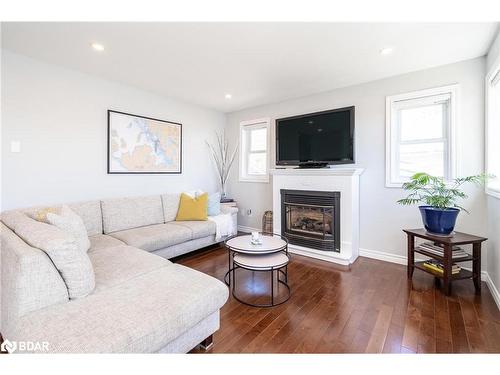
(371, 308)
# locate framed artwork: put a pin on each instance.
(143, 145)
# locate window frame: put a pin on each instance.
(245, 126)
(493, 191)
(393, 130)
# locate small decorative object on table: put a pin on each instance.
(440, 211)
(444, 254)
(267, 222)
(256, 239)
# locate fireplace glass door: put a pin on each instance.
(310, 220)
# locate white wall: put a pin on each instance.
(381, 218)
(60, 117)
(494, 203)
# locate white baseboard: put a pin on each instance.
(381, 255)
(242, 228)
(493, 289)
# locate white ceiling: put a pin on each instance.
(257, 63)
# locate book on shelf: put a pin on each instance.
(457, 252)
(438, 267)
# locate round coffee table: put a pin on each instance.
(270, 256)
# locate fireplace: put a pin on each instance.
(311, 218)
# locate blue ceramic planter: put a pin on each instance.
(437, 220)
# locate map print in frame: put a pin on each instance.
(138, 144)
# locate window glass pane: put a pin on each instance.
(258, 139)
(425, 122)
(257, 163)
(422, 157)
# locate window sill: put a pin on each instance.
(264, 180)
(493, 192)
(392, 184)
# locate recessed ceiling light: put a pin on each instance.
(228, 96)
(97, 46)
(386, 51)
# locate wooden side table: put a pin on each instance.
(447, 261)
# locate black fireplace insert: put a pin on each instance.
(311, 218)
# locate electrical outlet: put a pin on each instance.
(249, 212)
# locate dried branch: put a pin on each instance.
(222, 157)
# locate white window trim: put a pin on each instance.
(390, 134)
(258, 123)
(494, 70)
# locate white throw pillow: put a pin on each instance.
(194, 193)
(68, 221)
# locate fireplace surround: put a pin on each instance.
(343, 180)
(311, 218)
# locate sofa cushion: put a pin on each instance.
(138, 316)
(102, 241)
(198, 229)
(154, 237)
(170, 206)
(91, 214)
(127, 213)
(117, 264)
(72, 263)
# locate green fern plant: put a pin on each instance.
(433, 191)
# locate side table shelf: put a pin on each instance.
(447, 243)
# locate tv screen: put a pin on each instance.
(325, 137)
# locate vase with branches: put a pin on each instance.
(223, 159)
(440, 199)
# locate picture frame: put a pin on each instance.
(143, 145)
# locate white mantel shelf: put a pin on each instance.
(340, 171)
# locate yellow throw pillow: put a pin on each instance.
(192, 208)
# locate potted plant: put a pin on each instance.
(440, 209)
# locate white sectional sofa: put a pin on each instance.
(141, 303)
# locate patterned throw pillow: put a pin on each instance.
(68, 221)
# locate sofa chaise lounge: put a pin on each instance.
(142, 302)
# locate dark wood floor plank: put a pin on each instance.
(459, 340)
(412, 324)
(371, 307)
(380, 331)
(475, 338)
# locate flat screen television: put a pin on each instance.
(316, 139)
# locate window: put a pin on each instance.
(420, 135)
(493, 129)
(254, 141)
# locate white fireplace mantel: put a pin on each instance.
(341, 171)
(341, 179)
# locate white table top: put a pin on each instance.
(243, 244)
